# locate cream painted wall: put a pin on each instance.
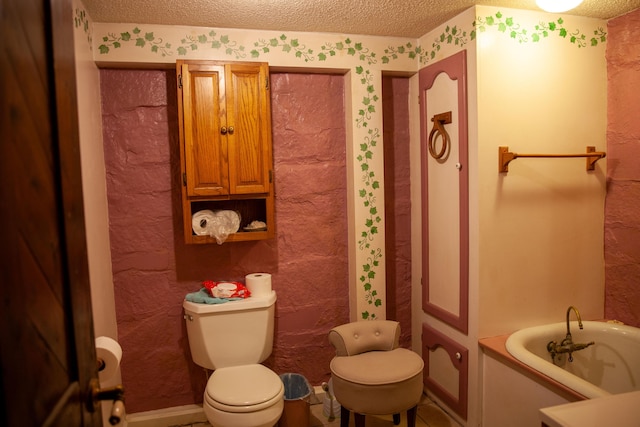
(540, 239)
(94, 191)
(94, 182)
(535, 232)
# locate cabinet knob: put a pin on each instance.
(223, 130)
(231, 130)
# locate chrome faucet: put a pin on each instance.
(567, 345)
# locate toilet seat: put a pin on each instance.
(246, 388)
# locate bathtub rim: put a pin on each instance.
(515, 347)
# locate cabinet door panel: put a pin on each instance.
(204, 118)
(249, 114)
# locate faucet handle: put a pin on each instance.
(583, 346)
(552, 346)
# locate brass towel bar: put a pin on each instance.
(505, 156)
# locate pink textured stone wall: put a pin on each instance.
(309, 149)
(622, 211)
(395, 99)
(153, 269)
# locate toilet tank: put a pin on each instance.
(232, 333)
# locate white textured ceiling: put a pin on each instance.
(402, 18)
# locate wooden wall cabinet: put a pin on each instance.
(225, 144)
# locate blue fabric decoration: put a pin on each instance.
(204, 297)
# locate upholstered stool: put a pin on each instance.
(372, 375)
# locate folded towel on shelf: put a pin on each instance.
(204, 297)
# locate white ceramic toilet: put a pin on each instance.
(232, 339)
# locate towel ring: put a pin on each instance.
(439, 120)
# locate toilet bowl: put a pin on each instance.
(231, 339)
(244, 396)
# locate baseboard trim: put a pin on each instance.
(168, 417)
(188, 414)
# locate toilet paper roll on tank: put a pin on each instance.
(109, 355)
(259, 284)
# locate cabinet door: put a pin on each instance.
(249, 128)
(205, 141)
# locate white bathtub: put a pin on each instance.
(610, 366)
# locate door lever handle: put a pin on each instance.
(112, 393)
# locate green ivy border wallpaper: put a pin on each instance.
(451, 35)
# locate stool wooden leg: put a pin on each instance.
(411, 416)
(344, 417)
(359, 419)
(396, 419)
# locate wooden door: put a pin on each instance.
(249, 114)
(202, 109)
(47, 344)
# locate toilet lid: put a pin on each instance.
(245, 386)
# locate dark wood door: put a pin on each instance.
(46, 339)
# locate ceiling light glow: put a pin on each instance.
(556, 6)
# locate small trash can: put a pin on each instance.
(297, 401)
